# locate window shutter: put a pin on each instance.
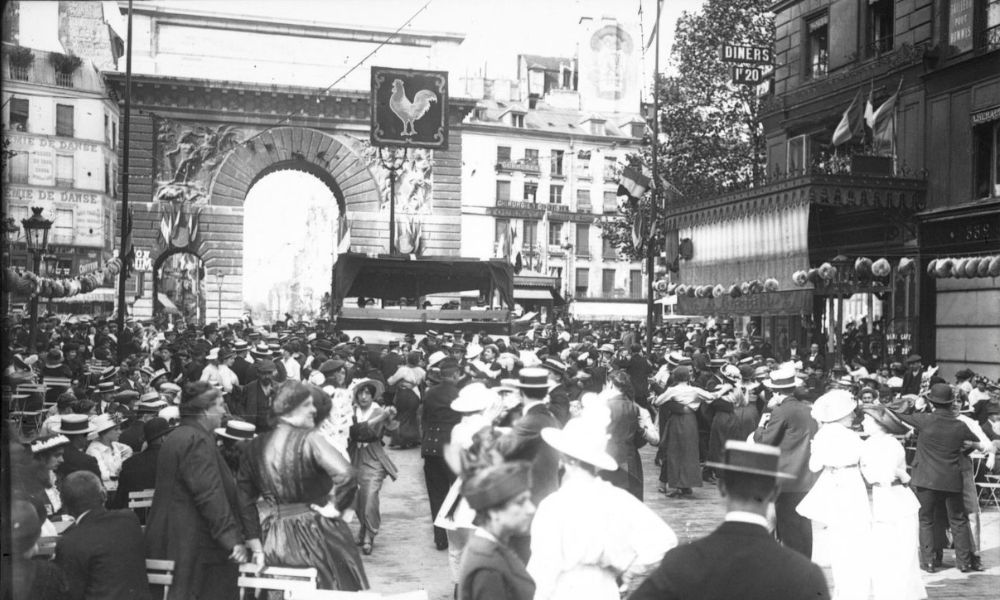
(843, 32)
(64, 120)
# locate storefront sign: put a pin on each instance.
(515, 209)
(88, 208)
(142, 263)
(41, 167)
(23, 141)
(748, 75)
(985, 116)
(738, 53)
(960, 25)
(791, 302)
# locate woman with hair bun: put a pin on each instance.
(296, 472)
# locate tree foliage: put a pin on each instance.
(711, 140)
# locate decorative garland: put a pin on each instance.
(964, 268)
(866, 269)
(747, 288)
(31, 284)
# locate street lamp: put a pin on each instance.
(36, 236)
(221, 275)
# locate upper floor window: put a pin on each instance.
(610, 168)
(17, 168)
(555, 194)
(107, 129)
(986, 138)
(517, 120)
(555, 233)
(503, 191)
(19, 109)
(530, 191)
(114, 135)
(557, 162)
(818, 46)
(64, 120)
(64, 170)
(503, 153)
(531, 156)
(991, 27)
(881, 20)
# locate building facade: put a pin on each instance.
(63, 132)
(920, 186)
(541, 162)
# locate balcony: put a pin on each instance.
(528, 167)
(64, 80)
(989, 39)
(20, 73)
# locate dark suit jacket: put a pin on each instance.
(939, 449)
(196, 517)
(256, 405)
(819, 361)
(491, 571)
(792, 429)
(133, 435)
(244, 370)
(524, 442)
(737, 560)
(911, 382)
(138, 473)
(438, 418)
(103, 558)
(75, 460)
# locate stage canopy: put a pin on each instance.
(357, 275)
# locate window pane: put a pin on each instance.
(635, 284)
(530, 233)
(555, 194)
(557, 162)
(582, 284)
(19, 114)
(503, 191)
(501, 230)
(530, 191)
(64, 120)
(64, 170)
(610, 202)
(607, 250)
(19, 167)
(62, 228)
(607, 281)
(503, 153)
(983, 138)
(582, 239)
(555, 234)
(610, 168)
(583, 200)
(531, 155)
(818, 47)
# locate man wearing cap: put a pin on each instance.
(914, 374)
(790, 427)
(198, 519)
(489, 569)
(75, 457)
(937, 476)
(740, 559)
(561, 391)
(438, 421)
(139, 471)
(258, 396)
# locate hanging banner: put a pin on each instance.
(409, 108)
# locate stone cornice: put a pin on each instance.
(518, 132)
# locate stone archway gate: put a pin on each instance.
(197, 147)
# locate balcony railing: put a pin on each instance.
(879, 47)
(989, 39)
(19, 73)
(64, 79)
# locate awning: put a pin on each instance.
(97, 295)
(768, 244)
(404, 277)
(790, 302)
(539, 294)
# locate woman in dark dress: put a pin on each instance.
(725, 425)
(295, 471)
(407, 379)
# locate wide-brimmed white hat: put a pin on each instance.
(375, 383)
(583, 439)
(103, 423)
(833, 406)
(783, 378)
(474, 397)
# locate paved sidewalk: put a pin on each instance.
(405, 558)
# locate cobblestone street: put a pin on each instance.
(405, 558)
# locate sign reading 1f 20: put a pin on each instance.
(754, 55)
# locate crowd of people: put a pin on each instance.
(271, 445)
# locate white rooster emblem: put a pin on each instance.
(409, 112)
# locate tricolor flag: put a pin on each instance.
(852, 124)
(883, 121)
(869, 109)
(633, 183)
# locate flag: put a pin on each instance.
(852, 123)
(884, 121)
(638, 229)
(656, 25)
(869, 109)
(633, 183)
(544, 258)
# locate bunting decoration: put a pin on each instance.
(31, 284)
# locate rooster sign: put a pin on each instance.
(409, 108)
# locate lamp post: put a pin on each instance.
(10, 231)
(36, 237)
(221, 276)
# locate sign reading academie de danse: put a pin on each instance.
(409, 108)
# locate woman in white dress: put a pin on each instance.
(110, 454)
(839, 498)
(895, 529)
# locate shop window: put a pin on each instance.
(881, 20)
(530, 234)
(557, 163)
(64, 120)
(64, 170)
(818, 46)
(582, 283)
(555, 234)
(607, 282)
(986, 138)
(582, 239)
(18, 167)
(635, 286)
(530, 191)
(503, 191)
(503, 153)
(555, 194)
(19, 108)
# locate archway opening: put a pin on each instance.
(289, 235)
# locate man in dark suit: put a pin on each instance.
(815, 358)
(791, 428)
(913, 377)
(139, 471)
(524, 442)
(438, 421)
(258, 396)
(937, 477)
(197, 519)
(242, 367)
(75, 457)
(740, 559)
(101, 554)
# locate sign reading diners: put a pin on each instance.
(738, 53)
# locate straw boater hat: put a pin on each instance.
(533, 378)
(833, 406)
(732, 373)
(103, 423)
(108, 374)
(240, 346)
(49, 443)
(753, 459)
(237, 430)
(436, 357)
(782, 379)
(473, 398)
(213, 354)
(583, 440)
(73, 425)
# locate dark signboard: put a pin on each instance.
(753, 55)
(960, 14)
(409, 108)
(748, 75)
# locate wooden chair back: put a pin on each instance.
(160, 573)
(282, 579)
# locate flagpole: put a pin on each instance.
(126, 222)
(650, 260)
